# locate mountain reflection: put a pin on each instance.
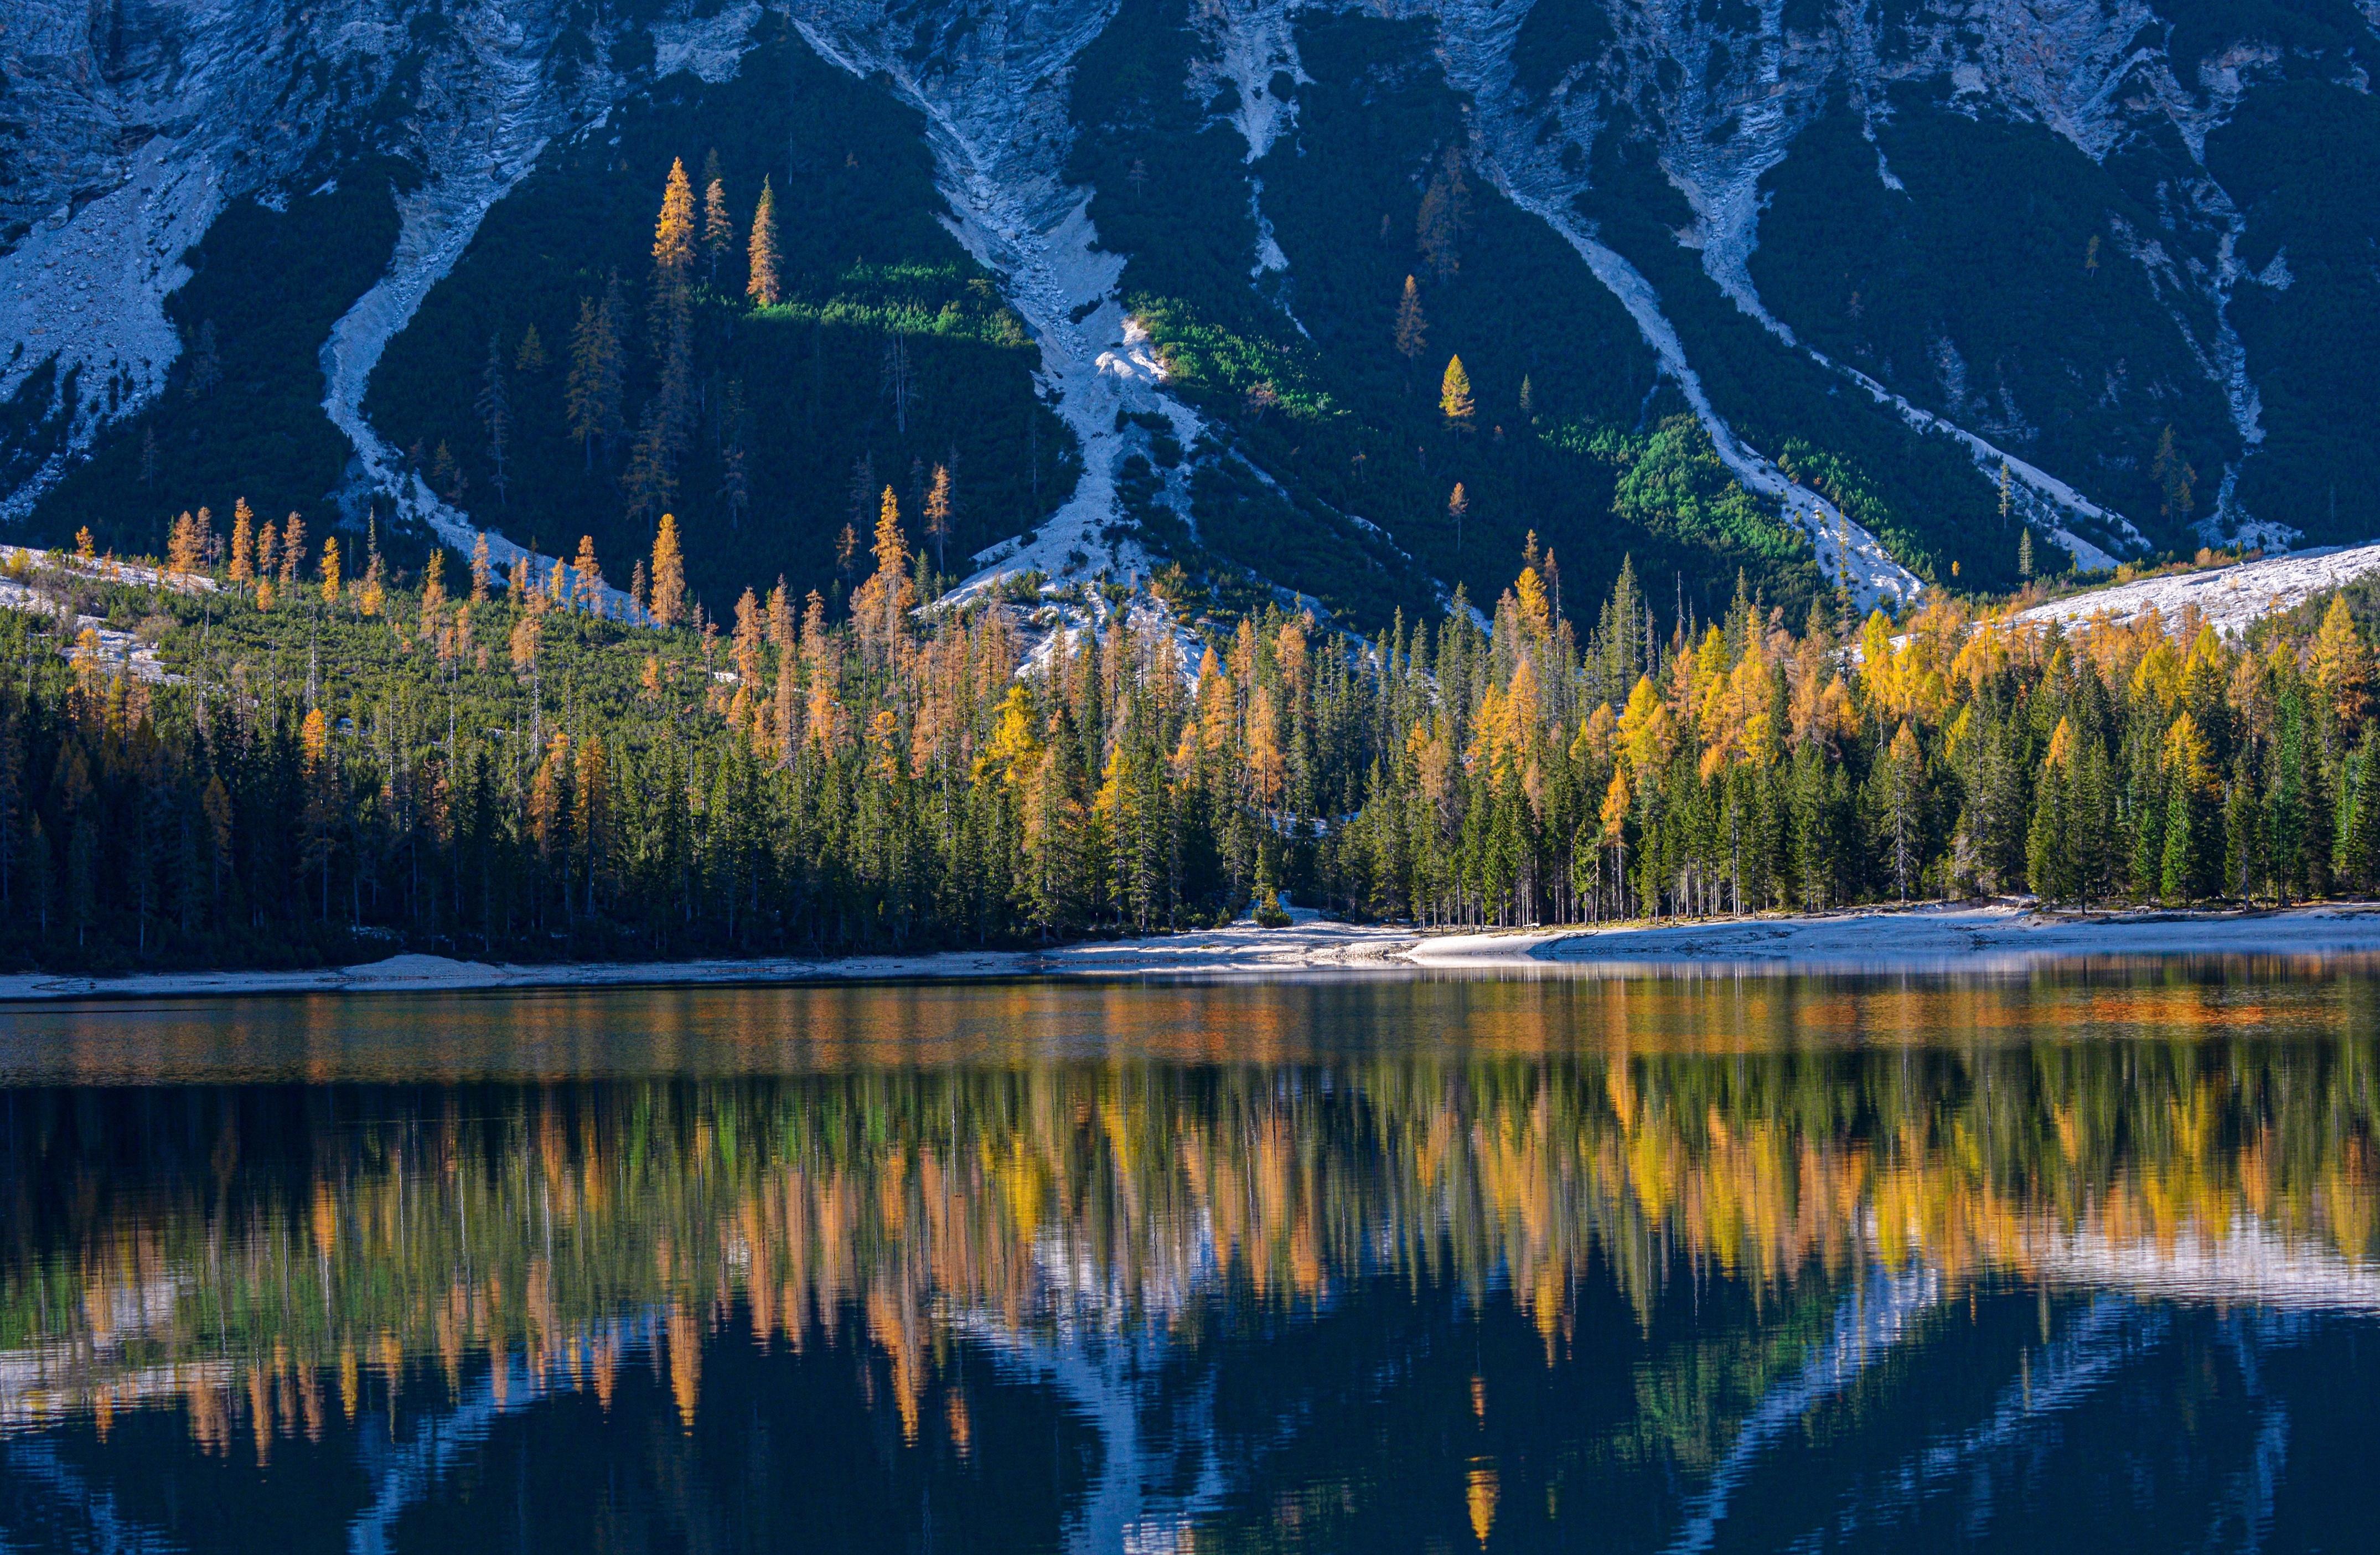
(276, 1266)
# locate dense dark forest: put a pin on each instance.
(315, 763)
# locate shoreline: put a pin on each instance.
(1919, 939)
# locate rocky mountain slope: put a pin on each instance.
(1812, 292)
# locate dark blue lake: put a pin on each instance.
(2076, 1260)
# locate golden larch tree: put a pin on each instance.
(293, 550)
(673, 231)
(588, 574)
(243, 541)
(668, 574)
(1455, 395)
(763, 287)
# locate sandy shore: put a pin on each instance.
(1994, 938)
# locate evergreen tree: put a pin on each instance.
(764, 287)
(717, 226)
(1443, 219)
(1455, 395)
(495, 409)
(939, 514)
(1413, 329)
(594, 393)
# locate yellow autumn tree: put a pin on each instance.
(1455, 395)
(2342, 664)
(243, 541)
(588, 575)
(673, 232)
(668, 574)
(331, 570)
(763, 287)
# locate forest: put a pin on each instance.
(320, 765)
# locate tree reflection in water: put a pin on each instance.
(1634, 1264)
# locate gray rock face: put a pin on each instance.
(130, 126)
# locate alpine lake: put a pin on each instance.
(2078, 1259)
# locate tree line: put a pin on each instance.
(336, 761)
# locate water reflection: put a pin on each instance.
(1636, 1264)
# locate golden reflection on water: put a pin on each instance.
(919, 1161)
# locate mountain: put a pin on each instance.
(1807, 292)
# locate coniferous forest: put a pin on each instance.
(318, 764)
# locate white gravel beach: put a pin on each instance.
(1920, 939)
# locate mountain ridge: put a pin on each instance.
(1697, 161)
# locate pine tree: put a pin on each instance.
(331, 570)
(2356, 861)
(1903, 773)
(495, 407)
(1455, 395)
(206, 364)
(2243, 831)
(650, 483)
(582, 394)
(481, 572)
(937, 513)
(670, 418)
(2024, 553)
(1457, 507)
(2174, 479)
(764, 286)
(668, 574)
(593, 397)
(531, 360)
(1444, 217)
(717, 226)
(1413, 329)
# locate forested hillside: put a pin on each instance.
(1335, 307)
(331, 765)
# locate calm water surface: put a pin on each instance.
(2082, 1260)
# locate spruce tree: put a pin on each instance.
(717, 226)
